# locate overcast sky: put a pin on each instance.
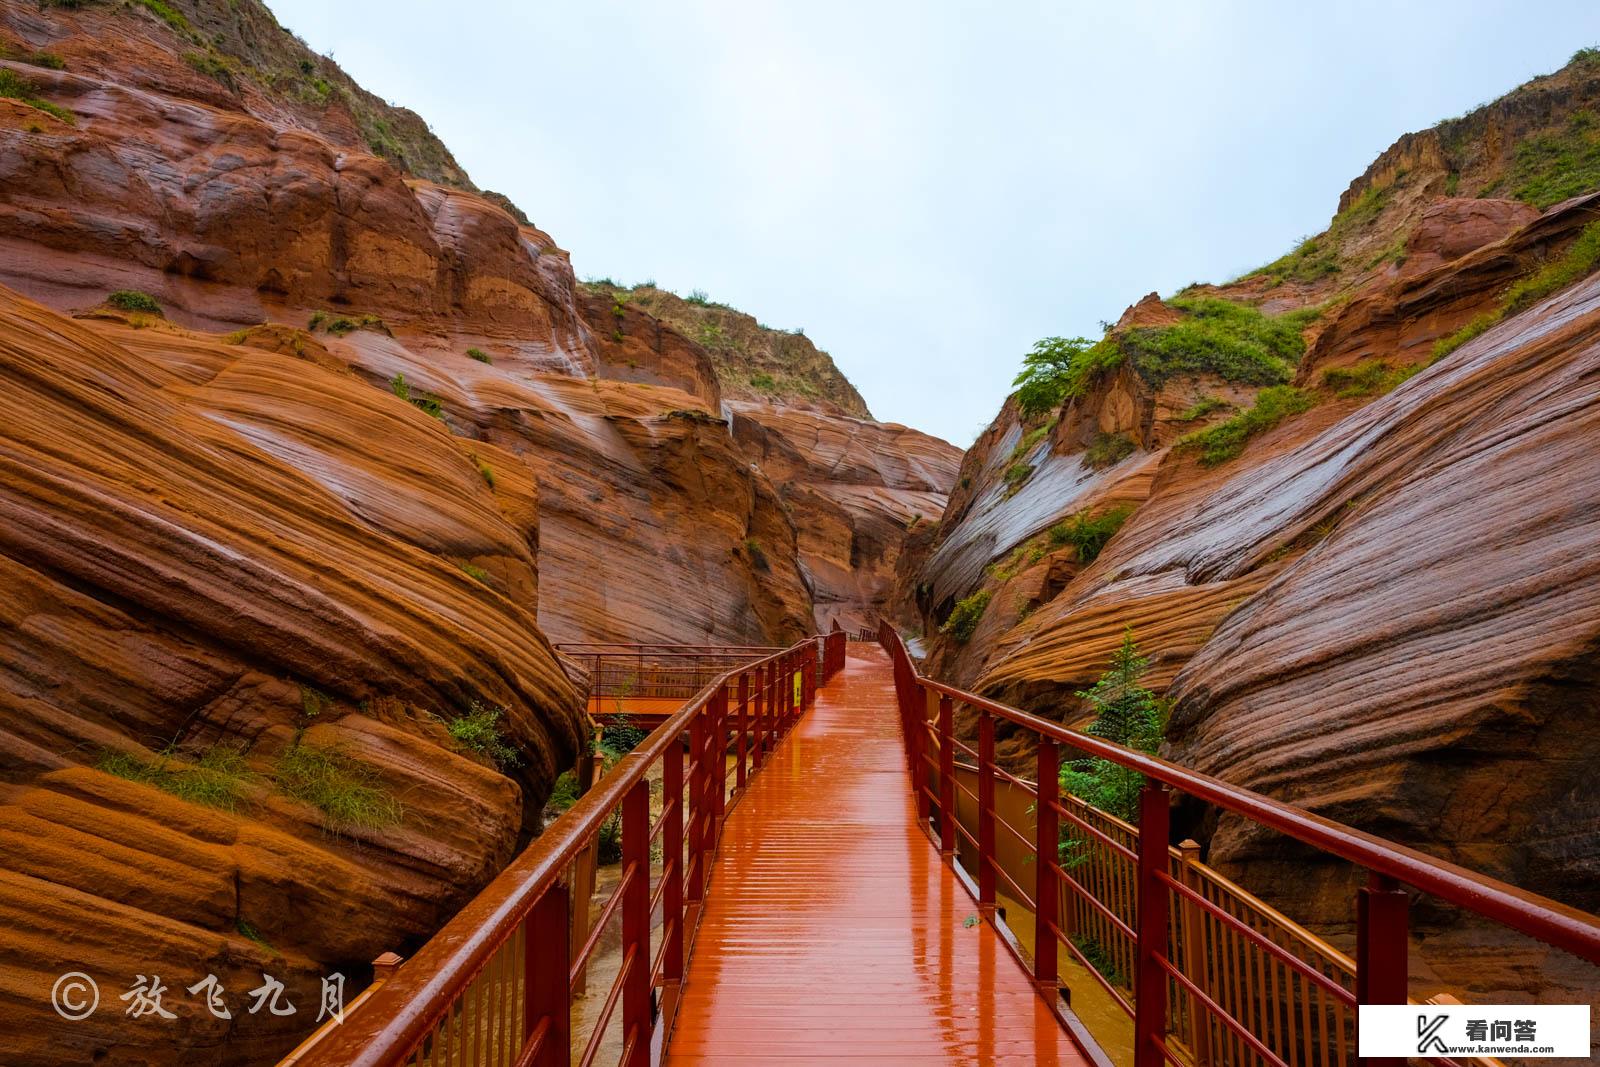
(928, 188)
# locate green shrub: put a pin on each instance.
(340, 325)
(476, 573)
(35, 59)
(698, 297)
(1577, 262)
(212, 66)
(1088, 533)
(1016, 474)
(484, 471)
(134, 300)
(342, 788)
(758, 557)
(1222, 442)
(14, 86)
(1058, 369)
(564, 793)
(1108, 449)
(1202, 407)
(1095, 953)
(621, 736)
(418, 399)
(479, 354)
(963, 620)
(165, 14)
(1370, 377)
(763, 381)
(1236, 342)
(479, 731)
(1024, 555)
(215, 779)
(1125, 713)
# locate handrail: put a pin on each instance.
(1548, 920)
(1167, 921)
(525, 908)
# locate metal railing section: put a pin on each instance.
(496, 984)
(1210, 975)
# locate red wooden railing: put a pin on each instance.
(1153, 890)
(496, 984)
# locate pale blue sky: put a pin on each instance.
(929, 187)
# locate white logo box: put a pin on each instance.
(1521, 1030)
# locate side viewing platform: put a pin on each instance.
(821, 859)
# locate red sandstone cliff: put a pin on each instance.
(1378, 604)
(355, 451)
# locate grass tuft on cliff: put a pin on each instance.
(1108, 449)
(14, 86)
(963, 620)
(1087, 533)
(479, 731)
(134, 300)
(1319, 256)
(1553, 166)
(1577, 262)
(757, 554)
(342, 788)
(339, 325)
(1370, 377)
(215, 779)
(1224, 441)
(1201, 408)
(1236, 342)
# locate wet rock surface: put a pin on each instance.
(366, 452)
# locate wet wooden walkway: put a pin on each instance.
(834, 931)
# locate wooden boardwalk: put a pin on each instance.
(834, 931)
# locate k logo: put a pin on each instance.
(1428, 1034)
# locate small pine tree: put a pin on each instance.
(1126, 713)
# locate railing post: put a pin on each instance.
(947, 776)
(1150, 988)
(1382, 950)
(719, 760)
(1047, 829)
(918, 714)
(672, 863)
(546, 960)
(637, 1016)
(1194, 956)
(986, 843)
(696, 871)
(788, 692)
(758, 742)
(744, 723)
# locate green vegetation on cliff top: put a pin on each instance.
(752, 360)
(1234, 341)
